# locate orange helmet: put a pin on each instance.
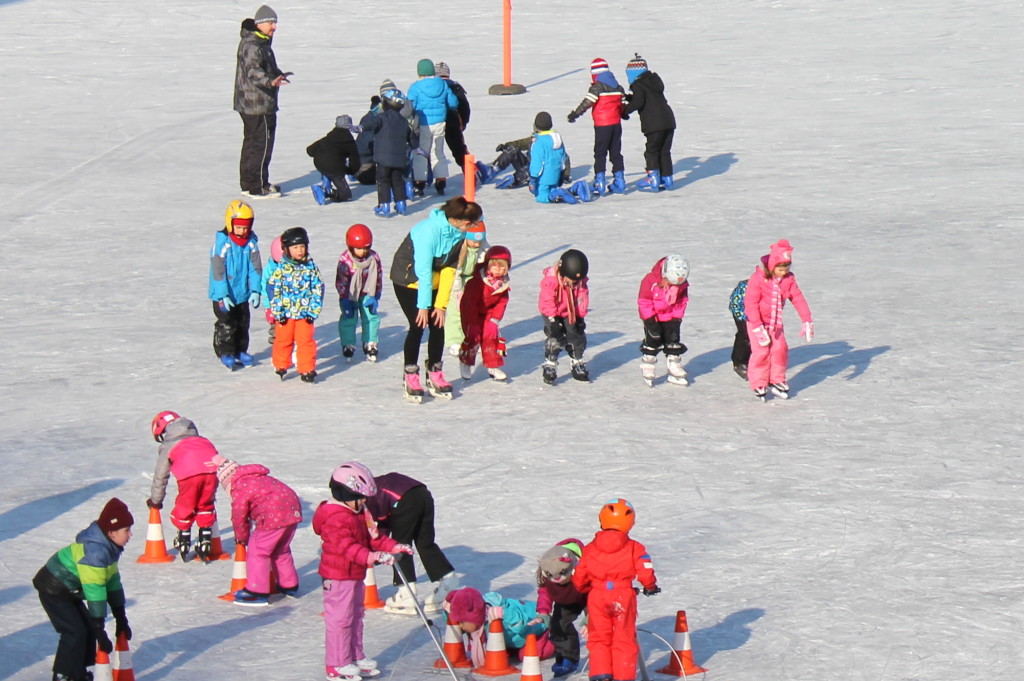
(617, 514)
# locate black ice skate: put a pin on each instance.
(204, 547)
(183, 543)
(579, 370)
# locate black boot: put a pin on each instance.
(205, 544)
(439, 185)
(183, 542)
(418, 187)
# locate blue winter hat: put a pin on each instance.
(477, 231)
(636, 66)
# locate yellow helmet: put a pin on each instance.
(237, 210)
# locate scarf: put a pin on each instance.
(364, 279)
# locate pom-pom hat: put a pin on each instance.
(636, 66)
(466, 605)
(781, 252)
(598, 66)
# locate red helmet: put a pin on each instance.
(160, 423)
(498, 253)
(359, 236)
(617, 514)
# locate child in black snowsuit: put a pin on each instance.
(657, 123)
(335, 155)
(367, 173)
(393, 139)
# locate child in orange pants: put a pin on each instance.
(296, 293)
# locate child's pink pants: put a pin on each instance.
(270, 549)
(343, 621)
(768, 364)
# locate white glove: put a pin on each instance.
(760, 336)
(807, 333)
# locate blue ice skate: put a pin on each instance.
(666, 182)
(651, 183)
(600, 184)
(323, 190)
(618, 185)
(559, 195)
(383, 210)
(582, 191)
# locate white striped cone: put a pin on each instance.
(238, 574)
(531, 660)
(101, 672)
(156, 547)
(122, 660)
(681, 664)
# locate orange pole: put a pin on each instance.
(507, 37)
(469, 177)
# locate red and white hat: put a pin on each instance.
(598, 66)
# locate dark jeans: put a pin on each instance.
(662, 336)
(258, 131)
(412, 522)
(231, 330)
(563, 632)
(341, 189)
(435, 340)
(561, 334)
(658, 153)
(390, 182)
(608, 142)
(741, 345)
(76, 648)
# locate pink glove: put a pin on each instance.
(760, 336)
(215, 462)
(807, 333)
(379, 558)
(495, 612)
(401, 548)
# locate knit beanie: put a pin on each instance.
(265, 14)
(442, 69)
(114, 516)
(636, 66)
(598, 66)
(387, 84)
(424, 67)
(780, 252)
(225, 469)
(466, 605)
(542, 122)
(477, 231)
(343, 121)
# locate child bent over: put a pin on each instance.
(563, 302)
(662, 300)
(296, 298)
(483, 306)
(559, 600)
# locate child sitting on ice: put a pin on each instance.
(561, 602)
(482, 307)
(547, 161)
(470, 611)
(662, 303)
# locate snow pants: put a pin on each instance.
(343, 621)
(453, 333)
(768, 364)
(231, 330)
(297, 333)
(76, 648)
(390, 184)
(455, 139)
(608, 143)
(658, 151)
(195, 502)
(258, 132)
(369, 321)
(484, 336)
(432, 142)
(662, 336)
(270, 549)
(563, 630)
(611, 627)
(741, 344)
(560, 334)
(435, 338)
(412, 522)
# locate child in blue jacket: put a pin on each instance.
(235, 284)
(432, 99)
(547, 158)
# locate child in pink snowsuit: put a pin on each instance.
(768, 289)
(350, 544)
(272, 509)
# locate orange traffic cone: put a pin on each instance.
(101, 672)
(238, 573)
(681, 663)
(123, 660)
(216, 547)
(453, 648)
(531, 660)
(371, 599)
(495, 656)
(156, 548)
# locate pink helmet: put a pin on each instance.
(276, 251)
(160, 423)
(354, 478)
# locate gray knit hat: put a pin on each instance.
(265, 14)
(343, 121)
(442, 69)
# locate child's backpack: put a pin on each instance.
(736, 301)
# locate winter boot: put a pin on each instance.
(245, 359)
(651, 183)
(437, 384)
(600, 184)
(559, 195)
(550, 371)
(183, 543)
(563, 666)
(413, 389)
(676, 372)
(648, 365)
(497, 373)
(666, 182)
(401, 207)
(205, 544)
(741, 370)
(370, 350)
(418, 188)
(308, 378)
(383, 210)
(579, 370)
(439, 185)
(581, 190)
(780, 390)
(618, 185)
(348, 351)
(230, 361)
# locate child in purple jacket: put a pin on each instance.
(664, 293)
(272, 510)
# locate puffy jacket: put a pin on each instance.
(391, 487)
(648, 98)
(431, 98)
(343, 276)
(736, 301)
(460, 115)
(296, 290)
(182, 453)
(482, 299)
(766, 296)
(555, 299)
(433, 245)
(547, 155)
(662, 302)
(604, 98)
(345, 541)
(255, 70)
(515, 617)
(613, 561)
(235, 271)
(392, 139)
(86, 570)
(259, 500)
(335, 153)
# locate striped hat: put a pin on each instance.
(598, 66)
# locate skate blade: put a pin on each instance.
(371, 358)
(440, 395)
(415, 399)
(678, 380)
(649, 382)
(399, 610)
(369, 673)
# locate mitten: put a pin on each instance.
(102, 640)
(309, 321)
(495, 612)
(652, 591)
(572, 117)
(372, 304)
(254, 299)
(402, 548)
(348, 308)
(226, 303)
(152, 504)
(808, 332)
(544, 620)
(760, 336)
(379, 558)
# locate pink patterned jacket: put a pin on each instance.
(259, 500)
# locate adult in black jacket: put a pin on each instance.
(367, 173)
(657, 122)
(335, 155)
(458, 118)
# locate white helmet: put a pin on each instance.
(675, 268)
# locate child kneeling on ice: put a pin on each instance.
(482, 307)
(662, 300)
(470, 610)
(547, 159)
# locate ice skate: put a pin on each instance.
(281, 373)
(250, 599)
(308, 377)
(466, 371)
(183, 543)
(349, 672)
(780, 390)
(676, 372)
(760, 393)
(579, 370)
(231, 362)
(204, 547)
(454, 349)
(383, 210)
(370, 350)
(600, 185)
(563, 666)
(367, 668)
(618, 184)
(348, 351)
(550, 372)
(498, 374)
(402, 602)
(246, 359)
(741, 370)
(437, 384)
(651, 183)
(648, 365)
(401, 207)
(434, 601)
(413, 391)
(418, 188)
(439, 185)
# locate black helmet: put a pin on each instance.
(573, 265)
(293, 236)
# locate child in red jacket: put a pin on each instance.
(605, 98)
(606, 572)
(483, 305)
(662, 300)
(563, 302)
(350, 543)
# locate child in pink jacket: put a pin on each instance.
(563, 302)
(662, 300)
(350, 543)
(768, 289)
(272, 510)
